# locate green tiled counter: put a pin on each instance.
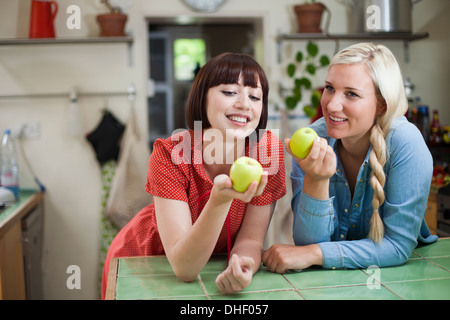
(425, 276)
(28, 198)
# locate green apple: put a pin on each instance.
(302, 141)
(244, 171)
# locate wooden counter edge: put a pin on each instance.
(20, 212)
(112, 279)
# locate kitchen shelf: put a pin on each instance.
(56, 41)
(406, 37)
(26, 41)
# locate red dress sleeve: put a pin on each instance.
(166, 179)
(270, 154)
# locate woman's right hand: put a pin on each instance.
(223, 190)
(321, 161)
(319, 166)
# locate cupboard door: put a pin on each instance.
(431, 214)
(12, 280)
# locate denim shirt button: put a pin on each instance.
(342, 236)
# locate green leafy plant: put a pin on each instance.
(302, 70)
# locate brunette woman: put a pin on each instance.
(195, 211)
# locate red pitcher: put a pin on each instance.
(41, 19)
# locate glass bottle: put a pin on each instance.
(435, 131)
(9, 169)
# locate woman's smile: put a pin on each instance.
(337, 119)
(239, 120)
(241, 106)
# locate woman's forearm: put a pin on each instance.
(313, 219)
(250, 239)
(193, 250)
(316, 188)
(249, 248)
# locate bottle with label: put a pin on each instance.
(409, 88)
(436, 133)
(446, 134)
(414, 116)
(9, 169)
(423, 121)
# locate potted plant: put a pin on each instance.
(309, 16)
(112, 24)
(301, 71)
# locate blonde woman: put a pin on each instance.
(359, 198)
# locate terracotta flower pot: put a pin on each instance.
(309, 17)
(112, 24)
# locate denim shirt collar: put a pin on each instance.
(364, 169)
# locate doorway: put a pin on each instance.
(175, 53)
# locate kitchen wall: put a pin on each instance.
(67, 166)
(429, 67)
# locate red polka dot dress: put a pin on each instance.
(176, 172)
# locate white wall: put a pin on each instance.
(67, 165)
(430, 64)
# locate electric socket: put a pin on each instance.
(26, 130)
(31, 130)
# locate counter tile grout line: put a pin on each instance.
(424, 257)
(249, 293)
(256, 291)
(437, 265)
(415, 280)
(370, 276)
(144, 275)
(295, 289)
(383, 285)
(336, 286)
(393, 292)
(203, 286)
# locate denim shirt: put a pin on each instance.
(340, 225)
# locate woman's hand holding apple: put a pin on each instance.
(223, 190)
(319, 165)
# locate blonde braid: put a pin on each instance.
(377, 159)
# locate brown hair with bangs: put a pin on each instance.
(225, 68)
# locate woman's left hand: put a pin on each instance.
(237, 275)
(281, 258)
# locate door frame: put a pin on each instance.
(259, 21)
